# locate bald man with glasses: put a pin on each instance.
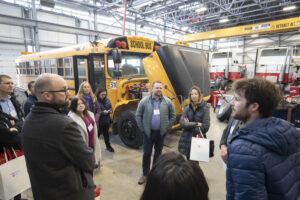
(59, 162)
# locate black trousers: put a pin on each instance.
(104, 130)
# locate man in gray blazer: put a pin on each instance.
(59, 162)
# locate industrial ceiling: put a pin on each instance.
(179, 16)
(193, 16)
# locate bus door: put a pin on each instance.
(96, 71)
(80, 70)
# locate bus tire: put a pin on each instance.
(224, 112)
(128, 130)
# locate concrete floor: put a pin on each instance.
(121, 170)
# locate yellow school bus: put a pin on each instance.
(126, 66)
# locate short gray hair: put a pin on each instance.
(4, 76)
(44, 82)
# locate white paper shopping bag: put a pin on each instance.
(14, 178)
(199, 149)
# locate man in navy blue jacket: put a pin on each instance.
(31, 98)
(263, 160)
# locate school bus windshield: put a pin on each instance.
(131, 66)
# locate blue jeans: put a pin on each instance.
(155, 140)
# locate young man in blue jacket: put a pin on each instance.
(263, 160)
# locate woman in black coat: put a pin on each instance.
(195, 117)
(102, 111)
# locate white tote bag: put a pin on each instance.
(14, 178)
(199, 149)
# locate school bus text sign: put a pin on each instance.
(139, 45)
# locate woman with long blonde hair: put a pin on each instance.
(85, 91)
(194, 120)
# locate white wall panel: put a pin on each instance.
(8, 54)
(83, 39)
(11, 33)
(10, 10)
(57, 19)
(84, 24)
(46, 48)
(56, 38)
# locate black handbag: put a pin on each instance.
(211, 144)
(211, 148)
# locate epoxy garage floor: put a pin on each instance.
(120, 171)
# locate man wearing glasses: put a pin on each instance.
(59, 162)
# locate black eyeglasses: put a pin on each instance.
(64, 90)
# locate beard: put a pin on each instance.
(242, 115)
(60, 103)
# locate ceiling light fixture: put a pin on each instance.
(158, 20)
(185, 28)
(254, 35)
(287, 8)
(202, 9)
(224, 20)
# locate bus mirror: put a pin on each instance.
(117, 56)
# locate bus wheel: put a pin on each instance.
(128, 129)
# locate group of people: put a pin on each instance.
(54, 150)
(61, 151)
(262, 153)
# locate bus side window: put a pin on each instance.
(68, 67)
(47, 66)
(27, 70)
(53, 65)
(21, 67)
(60, 67)
(36, 68)
(31, 68)
(24, 68)
(42, 66)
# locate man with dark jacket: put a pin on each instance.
(59, 162)
(31, 99)
(228, 133)
(155, 116)
(264, 155)
(11, 117)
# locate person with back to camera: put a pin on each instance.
(102, 110)
(263, 160)
(194, 119)
(59, 163)
(174, 178)
(85, 91)
(88, 128)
